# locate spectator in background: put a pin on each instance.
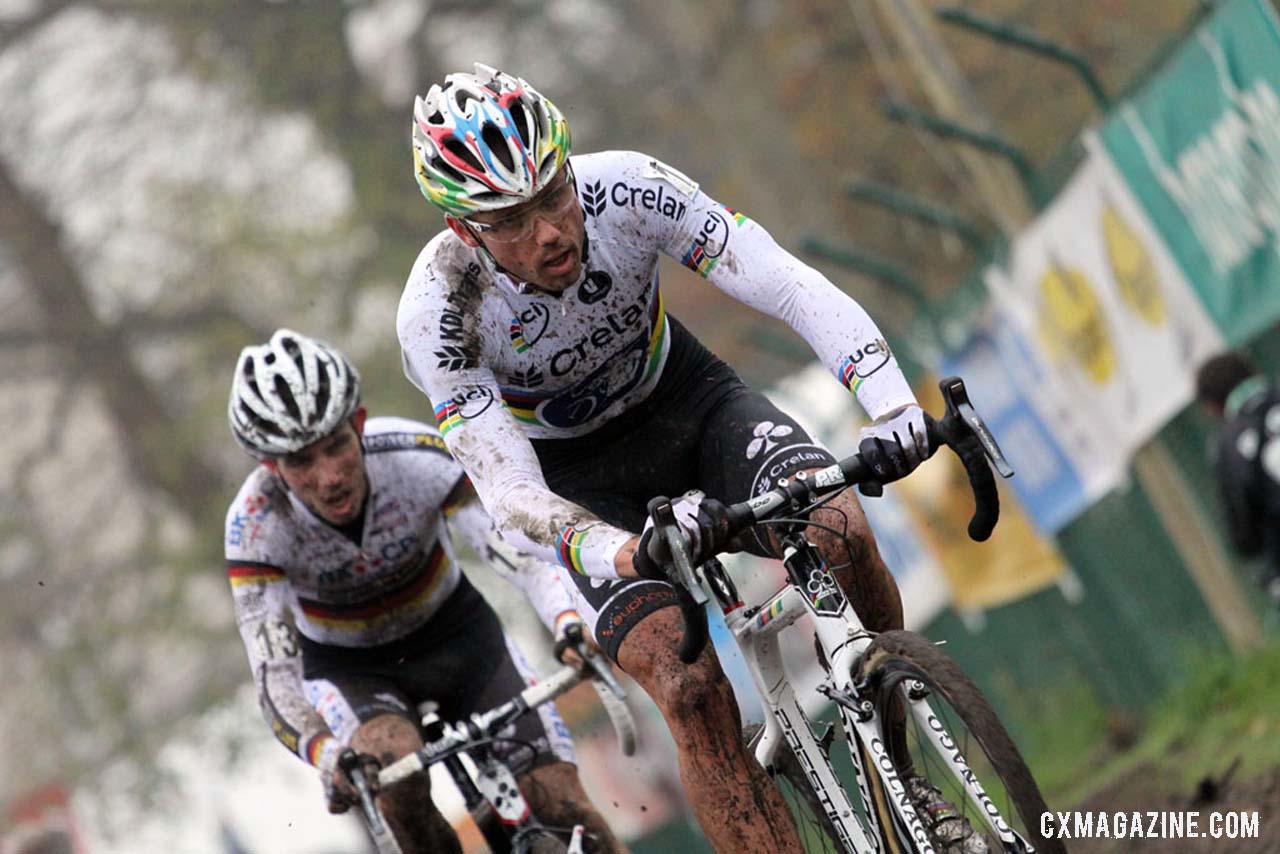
(1246, 456)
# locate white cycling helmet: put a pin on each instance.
(290, 392)
(485, 141)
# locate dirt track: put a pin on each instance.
(1141, 791)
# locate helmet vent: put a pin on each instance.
(460, 151)
(258, 422)
(286, 397)
(548, 165)
(497, 143)
(522, 127)
(439, 164)
(543, 120)
(323, 391)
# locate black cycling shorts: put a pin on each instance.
(701, 428)
(460, 660)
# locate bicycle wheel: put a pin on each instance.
(902, 667)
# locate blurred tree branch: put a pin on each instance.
(10, 33)
(100, 352)
(317, 74)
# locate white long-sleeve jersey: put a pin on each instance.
(291, 572)
(503, 362)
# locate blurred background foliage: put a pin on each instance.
(179, 177)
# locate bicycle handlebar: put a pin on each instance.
(352, 764)
(610, 691)
(485, 725)
(961, 428)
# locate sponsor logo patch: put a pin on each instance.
(785, 462)
(594, 200)
(863, 362)
(713, 238)
(765, 433)
(596, 287)
(528, 326)
(659, 199)
(469, 403)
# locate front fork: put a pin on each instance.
(842, 638)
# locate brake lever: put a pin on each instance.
(350, 763)
(664, 519)
(601, 671)
(614, 699)
(576, 640)
(959, 407)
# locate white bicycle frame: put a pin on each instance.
(492, 777)
(843, 639)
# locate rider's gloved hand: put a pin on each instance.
(705, 524)
(338, 791)
(572, 641)
(894, 444)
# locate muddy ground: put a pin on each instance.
(1143, 789)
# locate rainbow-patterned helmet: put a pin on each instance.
(485, 141)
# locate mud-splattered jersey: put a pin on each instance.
(504, 362)
(292, 572)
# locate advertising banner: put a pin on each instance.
(1113, 330)
(1200, 147)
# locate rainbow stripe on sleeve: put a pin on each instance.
(447, 417)
(699, 261)
(570, 551)
(316, 747)
(849, 375)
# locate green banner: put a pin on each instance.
(1200, 148)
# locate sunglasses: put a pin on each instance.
(553, 204)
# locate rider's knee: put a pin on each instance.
(695, 693)
(687, 694)
(387, 737)
(553, 788)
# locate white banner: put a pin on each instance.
(1094, 289)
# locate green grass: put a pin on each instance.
(1227, 711)
(1067, 738)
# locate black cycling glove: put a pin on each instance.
(705, 525)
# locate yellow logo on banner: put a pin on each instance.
(1073, 321)
(1131, 264)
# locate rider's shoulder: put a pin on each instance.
(394, 435)
(609, 168)
(447, 276)
(257, 510)
(445, 260)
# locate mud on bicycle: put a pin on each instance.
(933, 768)
(487, 782)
